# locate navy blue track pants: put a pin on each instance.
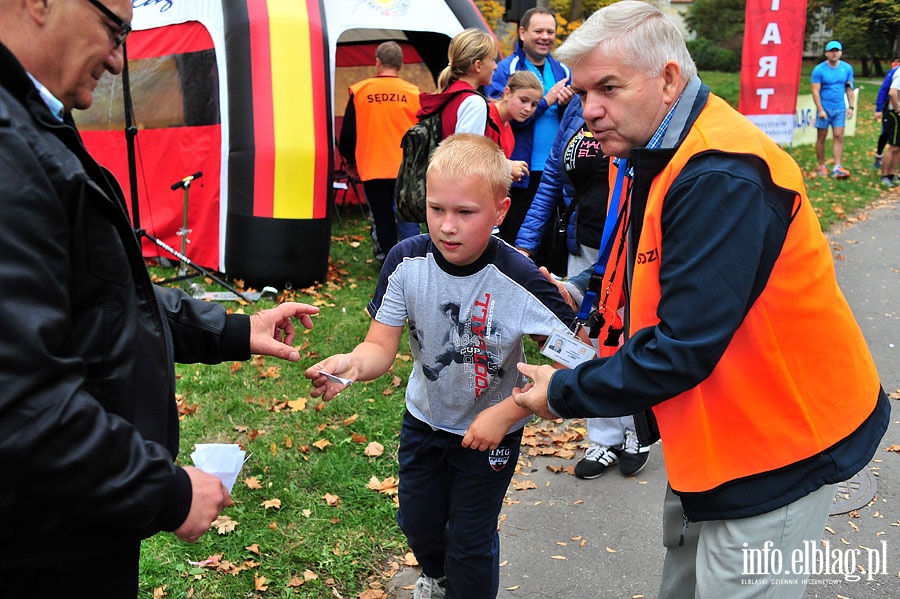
(450, 499)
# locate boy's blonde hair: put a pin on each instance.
(524, 80)
(466, 47)
(464, 154)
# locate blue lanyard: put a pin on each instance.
(609, 228)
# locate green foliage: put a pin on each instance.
(721, 21)
(866, 28)
(708, 56)
(724, 84)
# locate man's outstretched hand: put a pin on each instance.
(272, 331)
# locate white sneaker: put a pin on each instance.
(430, 588)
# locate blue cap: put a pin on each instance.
(833, 45)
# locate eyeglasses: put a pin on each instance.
(123, 28)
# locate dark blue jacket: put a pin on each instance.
(555, 186)
(882, 99)
(524, 132)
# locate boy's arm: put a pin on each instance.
(491, 425)
(368, 360)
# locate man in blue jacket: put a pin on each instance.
(534, 137)
(880, 102)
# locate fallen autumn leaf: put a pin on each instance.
(374, 449)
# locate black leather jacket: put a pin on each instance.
(88, 422)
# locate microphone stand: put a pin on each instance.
(130, 134)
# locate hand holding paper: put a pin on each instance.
(208, 498)
(333, 378)
(326, 383)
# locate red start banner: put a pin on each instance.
(770, 65)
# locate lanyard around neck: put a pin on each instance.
(613, 218)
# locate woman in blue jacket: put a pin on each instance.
(576, 170)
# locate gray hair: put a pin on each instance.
(640, 33)
(390, 54)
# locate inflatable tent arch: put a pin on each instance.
(241, 91)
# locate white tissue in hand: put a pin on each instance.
(222, 460)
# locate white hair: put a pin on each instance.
(640, 33)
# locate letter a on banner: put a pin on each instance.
(770, 65)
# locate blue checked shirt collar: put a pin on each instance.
(56, 107)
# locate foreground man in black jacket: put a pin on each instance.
(88, 422)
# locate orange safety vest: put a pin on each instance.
(797, 377)
(386, 107)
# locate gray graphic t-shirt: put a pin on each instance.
(465, 325)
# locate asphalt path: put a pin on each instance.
(565, 538)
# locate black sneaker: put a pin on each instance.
(597, 458)
(632, 457)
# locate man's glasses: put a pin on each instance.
(123, 28)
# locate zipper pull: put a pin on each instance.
(684, 525)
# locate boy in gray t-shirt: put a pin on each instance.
(469, 298)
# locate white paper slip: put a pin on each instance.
(562, 347)
(223, 460)
(336, 379)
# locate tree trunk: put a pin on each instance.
(577, 10)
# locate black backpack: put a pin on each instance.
(418, 143)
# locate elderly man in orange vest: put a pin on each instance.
(737, 337)
(379, 111)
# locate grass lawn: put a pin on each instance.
(305, 522)
(315, 503)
